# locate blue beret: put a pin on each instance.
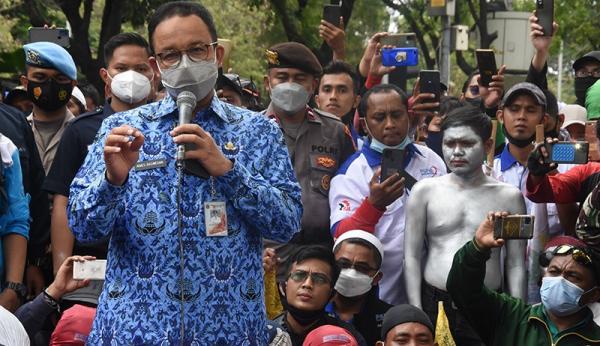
(50, 55)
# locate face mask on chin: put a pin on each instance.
(49, 95)
(198, 78)
(303, 317)
(378, 146)
(521, 143)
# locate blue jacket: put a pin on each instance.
(15, 219)
(223, 282)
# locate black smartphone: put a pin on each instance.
(392, 162)
(514, 227)
(568, 152)
(332, 14)
(544, 11)
(429, 83)
(60, 36)
(486, 63)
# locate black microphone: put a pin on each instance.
(186, 102)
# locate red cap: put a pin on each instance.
(74, 326)
(564, 240)
(329, 335)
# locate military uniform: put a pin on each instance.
(317, 147)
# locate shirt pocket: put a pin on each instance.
(322, 169)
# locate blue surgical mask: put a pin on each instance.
(560, 296)
(378, 146)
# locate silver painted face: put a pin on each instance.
(463, 150)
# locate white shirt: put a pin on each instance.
(351, 186)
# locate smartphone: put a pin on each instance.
(429, 83)
(93, 270)
(60, 36)
(332, 14)
(514, 227)
(544, 11)
(392, 162)
(568, 152)
(400, 56)
(592, 138)
(486, 63)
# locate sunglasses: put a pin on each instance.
(474, 89)
(579, 255)
(300, 276)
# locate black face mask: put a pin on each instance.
(475, 102)
(521, 143)
(582, 84)
(49, 95)
(303, 317)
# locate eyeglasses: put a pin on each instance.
(474, 89)
(196, 53)
(579, 255)
(300, 276)
(584, 73)
(360, 267)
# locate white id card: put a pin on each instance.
(215, 219)
(93, 270)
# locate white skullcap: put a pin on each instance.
(78, 95)
(358, 234)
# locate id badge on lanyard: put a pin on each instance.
(215, 214)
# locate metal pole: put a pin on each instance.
(444, 64)
(560, 72)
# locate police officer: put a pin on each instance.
(49, 81)
(318, 142)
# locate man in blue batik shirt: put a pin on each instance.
(201, 284)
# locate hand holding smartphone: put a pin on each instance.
(486, 63)
(429, 83)
(392, 162)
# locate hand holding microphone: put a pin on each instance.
(204, 148)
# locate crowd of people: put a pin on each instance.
(275, 225)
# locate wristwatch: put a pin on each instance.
(18, 287)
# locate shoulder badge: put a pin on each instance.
(325, 161)
(325, 182)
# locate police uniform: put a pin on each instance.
(50, 56)
(322, 143)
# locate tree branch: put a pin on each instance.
(288, 22)
(111, 25)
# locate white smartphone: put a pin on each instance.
(93, 270)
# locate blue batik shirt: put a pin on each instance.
(223, 279)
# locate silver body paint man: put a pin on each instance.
(446, 211)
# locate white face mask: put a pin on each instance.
(289, 98)
(198, 78)
(352, 283)
(130, 86)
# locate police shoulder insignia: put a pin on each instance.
(325, 182)
(325, 161)
(272, 57)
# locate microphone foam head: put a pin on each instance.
(186, 98)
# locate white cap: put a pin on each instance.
(368, 237)
(574, 114)
(77, 94)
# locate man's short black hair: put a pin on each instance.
(380, 89)
(124, 39)
(318, 252)
(362, 242)
(181, 9)
(88, 90)
(340, 67)
(472, 117)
